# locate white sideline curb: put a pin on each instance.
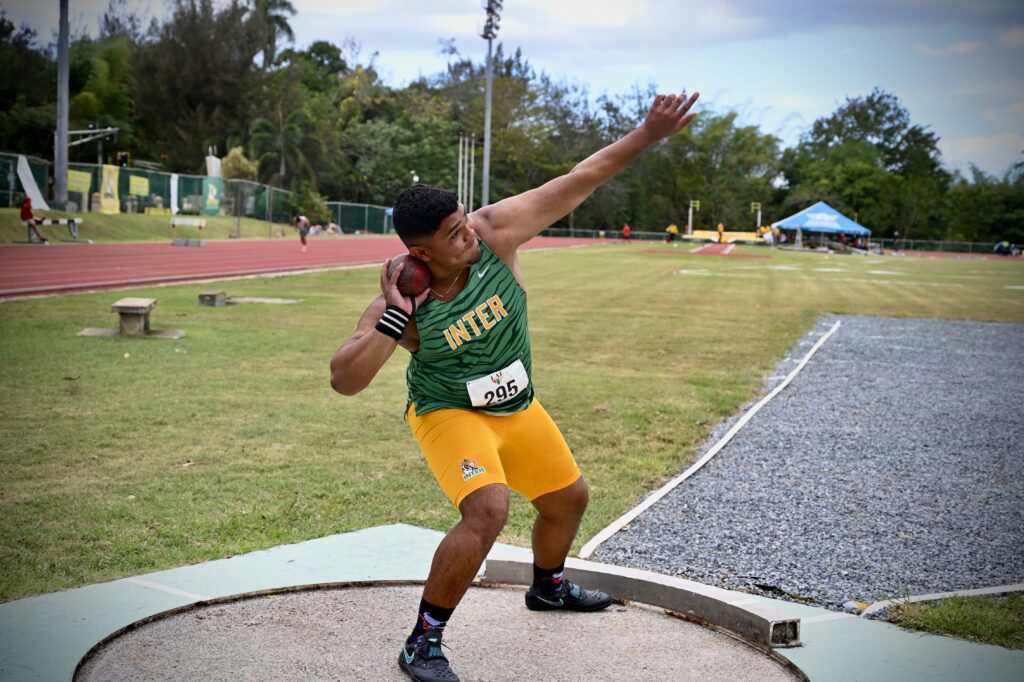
(619, 523)
(1001, 589)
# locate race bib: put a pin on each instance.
(499, 387)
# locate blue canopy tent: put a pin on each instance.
(824, 219)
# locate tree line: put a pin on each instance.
(322, 122)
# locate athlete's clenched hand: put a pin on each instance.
(389, 286)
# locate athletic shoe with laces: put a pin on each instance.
(570, 597)
(424, 661)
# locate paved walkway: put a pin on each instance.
(45, 637)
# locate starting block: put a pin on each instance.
(187, 222)
(134, 314)
(134, 317)
(214, 299)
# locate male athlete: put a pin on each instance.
(302, 225)
(471, 402)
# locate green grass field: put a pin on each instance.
(124, 456)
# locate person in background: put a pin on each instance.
(672, 231)
(30, 220)
(302, 225)
(626, 230)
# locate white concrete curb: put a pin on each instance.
(1001, 589)
(749, 618)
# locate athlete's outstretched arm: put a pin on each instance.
(357, 362)
(515, 220)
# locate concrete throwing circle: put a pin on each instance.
(356, 634)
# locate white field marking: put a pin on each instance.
(1000, 589)
(785, 267)
(165, 588)
(636, 511)
(898, 283)
(885, 272)
(1014, 286)
(729, 249)
(693, 272)
(825, 617)
(830, 270)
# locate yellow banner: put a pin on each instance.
(138, 186)
(79, 181)
(109, 202)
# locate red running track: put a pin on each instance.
(62, 268)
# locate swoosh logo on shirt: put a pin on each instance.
(484, 271)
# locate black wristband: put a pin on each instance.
(393, 322)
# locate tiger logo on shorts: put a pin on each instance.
(470, 469)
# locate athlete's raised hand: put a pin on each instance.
(669, 114)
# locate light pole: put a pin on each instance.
(490, 32)
(756, 206)
(60, 155)
(694, 206)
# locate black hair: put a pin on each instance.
(419, 211)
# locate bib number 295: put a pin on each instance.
(501, 393)
(498, 387)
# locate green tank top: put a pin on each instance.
(481, 338)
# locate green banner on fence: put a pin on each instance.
(213, 188)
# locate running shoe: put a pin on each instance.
(424, 661)
(571, 597)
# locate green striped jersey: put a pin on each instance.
(482, 338)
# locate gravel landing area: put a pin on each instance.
(893, 464)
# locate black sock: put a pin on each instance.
(548, 580)
(430, 617)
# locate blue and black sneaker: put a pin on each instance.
(569, 597)
(424, 661)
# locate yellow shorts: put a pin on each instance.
(467, 450)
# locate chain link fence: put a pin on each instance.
(143, 191)
(932, 245)
(359, 217)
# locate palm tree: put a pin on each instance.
(271, 17)
(285, 140)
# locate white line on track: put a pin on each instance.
(165, 588)
(636, 511)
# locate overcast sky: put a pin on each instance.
(956, 65)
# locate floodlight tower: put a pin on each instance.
(60, 142)
(490, 32)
